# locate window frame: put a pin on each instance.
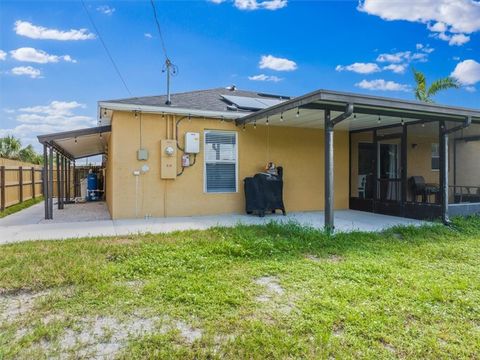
(432, 156)
(205, 162)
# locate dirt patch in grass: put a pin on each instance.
(274, 297)
(15, 305)
(103, 337)
(90, 337)
(272, 288)
(189, 333)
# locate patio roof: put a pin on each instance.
(81, 143)
(369, 111)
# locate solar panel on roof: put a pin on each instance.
(270, 102)
(249, 103)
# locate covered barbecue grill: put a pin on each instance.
(264, 193)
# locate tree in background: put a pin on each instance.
(424, 93)
(28, 154)
(11, 148)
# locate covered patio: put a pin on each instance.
(385, 177)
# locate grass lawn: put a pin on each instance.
(17, 207)
(282, 292)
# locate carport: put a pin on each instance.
(60, 151)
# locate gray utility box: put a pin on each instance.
(142, 154)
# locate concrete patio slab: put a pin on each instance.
(25, 225)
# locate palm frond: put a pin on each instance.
(421, 85)
(442, 84)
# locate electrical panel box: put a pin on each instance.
(168, 159)
(192, 143)
(142, 154)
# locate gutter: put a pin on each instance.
(466, 123)
(227, 115)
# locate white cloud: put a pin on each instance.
(105, 9)
(459, 39)
(277, 64)
(29, 54)
(452, 39)
(148, 35)
(447, 17)
(273, 4)
(394, 58)
(55, 108)
(437, 27)
(54, 117)
(424, 48)
(256, 5)
(263, 77)
(382, 85)
(34, 73)
(396, 68)
(467, 72)
(405, 56)
(217, 1)
(360, 68)
(471, 89)
(25, 28)
(3, 55)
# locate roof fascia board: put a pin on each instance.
(404, 107)
(399, 104)
(74, 133)
(171, 110)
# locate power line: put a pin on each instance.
(159, 29)
(106, 48)
(169, 67)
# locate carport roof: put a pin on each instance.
(81, 143)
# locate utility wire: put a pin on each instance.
(159, 30)
(106, 48)
(169, 66)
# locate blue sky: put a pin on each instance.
(49, 85)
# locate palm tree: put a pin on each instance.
(425, 94)
(10, 147)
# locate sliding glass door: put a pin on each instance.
(389, 170)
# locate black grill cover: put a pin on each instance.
(264, 193)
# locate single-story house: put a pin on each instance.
(188, 153)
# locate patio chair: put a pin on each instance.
(420, 188)
(362, 182)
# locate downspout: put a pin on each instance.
(444, 155)
(329, 165)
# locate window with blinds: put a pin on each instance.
(220, 161)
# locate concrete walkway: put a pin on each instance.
(26, 225)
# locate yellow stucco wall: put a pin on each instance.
(299, 151)
(109, 190)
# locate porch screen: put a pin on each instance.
(220, 161)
